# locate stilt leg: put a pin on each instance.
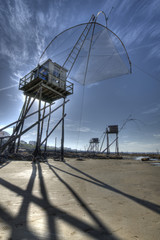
(62, 140)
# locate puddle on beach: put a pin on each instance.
(140, 158)
(150, 159)
(156, 164)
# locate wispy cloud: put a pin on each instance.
(156, 135)
(152, 110)
(8, 130)
(154, 52)
(74, 127)
(16, 28)
(26, 31)
(137, 146)
(6, 88)
(92, 85)
(142, 24)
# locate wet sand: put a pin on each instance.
(80, 200)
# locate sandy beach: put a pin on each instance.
(82, 200)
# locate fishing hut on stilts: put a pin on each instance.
(93, 145)
(46, 83)
(111, 130)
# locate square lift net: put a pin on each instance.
(90, 52)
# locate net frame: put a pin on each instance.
(92, 23)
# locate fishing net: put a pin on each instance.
(90, 52)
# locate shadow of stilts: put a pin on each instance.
(54, 212)
(103, 231)
(152, 206)
(4, 164)
(50, 217)
(21, 218)
(18, 224)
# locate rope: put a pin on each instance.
(150, 75)
(85, 75)
(81, 114)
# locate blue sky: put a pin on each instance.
(26, 27)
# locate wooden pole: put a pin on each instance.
(42, 121)
(107, 142)
(12, 146)
(37, 149)
(55, 144)
(23, 114)
(62, 140)
(12, 138)
(52, 130)
(25, 117)
(45, 147)
(102, 141)
(117, 147)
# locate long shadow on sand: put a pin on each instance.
(20, 227)
(18, 224)
(4, 164)
(152, 206)
(101, 232)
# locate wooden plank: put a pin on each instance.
(49, 88)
